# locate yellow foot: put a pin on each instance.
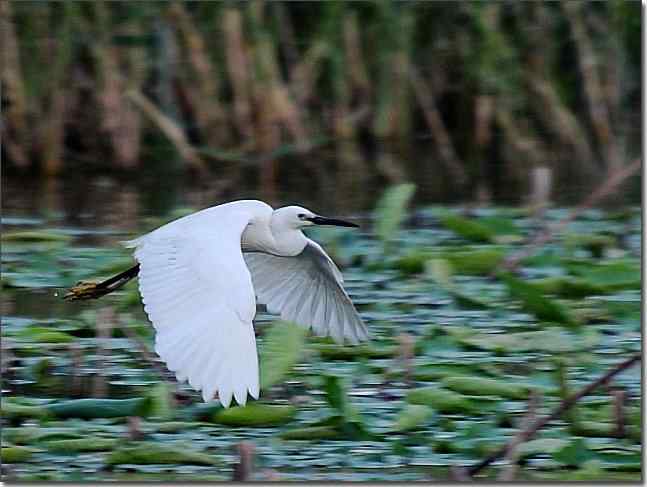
(84, 290)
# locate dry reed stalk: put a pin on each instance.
(553, 114)
(266, 127)
(439, 132)
(619, 399)
(54, 118)
(243, 470)
(169, 128)
(388, 165)
(210, 114)
(135, 432)
(238, 69)
(14, 130)
(354, 58)
(281, 101)
(592, 87)
(131, 129)
(286, 33)
(120, 118)
(304, 74)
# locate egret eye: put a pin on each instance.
(301, 216)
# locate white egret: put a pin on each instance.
(200, 277)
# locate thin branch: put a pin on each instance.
(561, 409)
(512, 455)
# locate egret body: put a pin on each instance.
(200, 278)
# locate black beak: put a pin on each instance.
(320, 220)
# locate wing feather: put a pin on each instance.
(198, 294)
(307, 289)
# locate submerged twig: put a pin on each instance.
(243, 469)
(512, 455)
(564, 406)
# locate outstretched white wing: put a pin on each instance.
(306, 289)
(198, 294)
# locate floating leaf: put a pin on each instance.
(255, 414)
(39, 334)
(574, 454)
(17, 412)
(100, 408)
(541, 446)
(475, 262)
(622, 274)
(442, 400)
(391, 210)
(413, 416)
(80, 445)
(338, 352)
(350, 420)
(28, 435)
(160, 404)
(149, 453)
(569, 287)
(469, 229)
(34, 236)
(440, 270)
(282, 347)
(482, 386)
(533, 301)
(15, 454)
(542, 340)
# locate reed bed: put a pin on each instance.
(239, 89)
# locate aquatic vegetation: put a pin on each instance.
(457, 349)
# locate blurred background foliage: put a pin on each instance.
(468, 97)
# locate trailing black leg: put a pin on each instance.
(93, 290)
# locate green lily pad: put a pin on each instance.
(478, 386)
(442, 400)
(13, 411)
(149, 453)
(281, 350)
(40, 334)
(534, 302)
(467, 228)
(100, 408)
(474, 262)
(34, 236)
(412, 417)
(255, 414)
(391, 210)
(15, 454)
(80, 445)
(542, 340)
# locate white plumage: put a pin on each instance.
(199, 278)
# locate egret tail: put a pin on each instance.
(94, 290)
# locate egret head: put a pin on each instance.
(299, 217)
